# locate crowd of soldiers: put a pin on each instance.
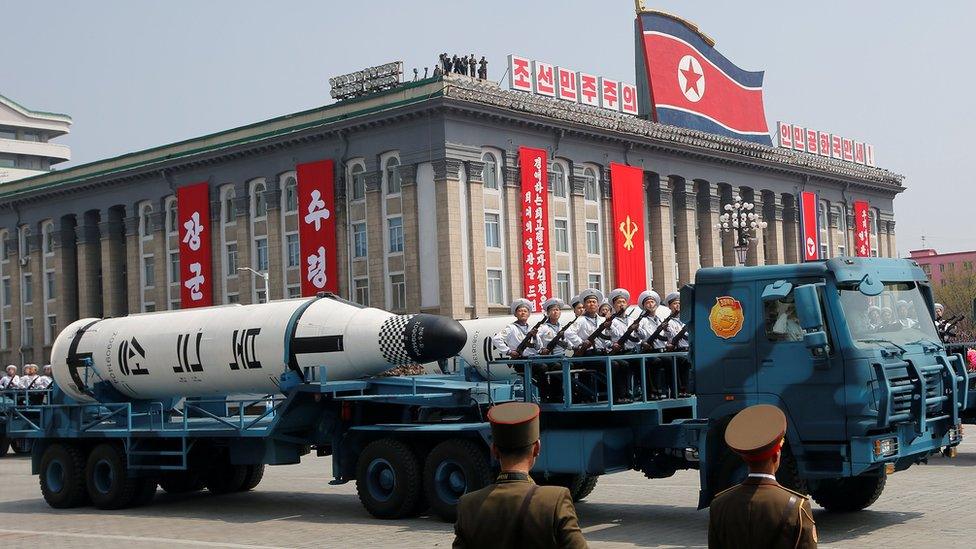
(605, 326)
(29, 378)
(467, 65)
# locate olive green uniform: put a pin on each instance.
(498, 516)
(761, 513)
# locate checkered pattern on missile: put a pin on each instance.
(391, 339)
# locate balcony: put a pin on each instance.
(54, 151)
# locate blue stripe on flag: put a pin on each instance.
(684, 119)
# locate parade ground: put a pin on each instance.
(295, 507)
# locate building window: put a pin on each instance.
(174, 305)
(6, 292)
(149, 271)
(28, 289)
(495, 287)
(398, 292)
(233, 298)
(257, 198)
(841, 229)
(873, 221)
(967, 265)
(145, 221)
(395, 225)
(4, 249)
(171, 216)
(291, 241)
(52, 329)
(393, 176)
(558, 180)
(294, 291)
(49, 286)
(593, 238)
(360, 291)
(232, 264)
(228, 207)
(490, 173)
(291, 195)
(149, 308)
(260, 296)
(590, 190)
(8, 333)
(24, 235)
(562, 286)
(359, 240)
(358, 182)
(174, 266)
(595, 281)
(492, 237)
(562, 235)
(47, 231)
(261, 253)
(28, 335)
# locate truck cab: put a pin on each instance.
(847, 349)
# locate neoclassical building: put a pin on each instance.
(427, 206)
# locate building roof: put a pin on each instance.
(929, 255)
(53, 116)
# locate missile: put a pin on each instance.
(233, 349)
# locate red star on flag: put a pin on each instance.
(691, 79)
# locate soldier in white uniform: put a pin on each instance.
(577, 304)
(549, 330)
(588, 323)
(11, 380)
(650, 302)
(30, 377)
(623, 370)
(673, 302)
(47, 378)
(510, 338)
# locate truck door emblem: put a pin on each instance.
(726, 317)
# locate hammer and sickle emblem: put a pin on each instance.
(628, 228)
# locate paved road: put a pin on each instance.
(295, 507)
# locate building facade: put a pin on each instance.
(25, 135)
(939, 267)
(427, 206)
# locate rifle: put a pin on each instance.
(660, 328)
(632, 328)
(677, 337)
(529, 336)
(551, 346)
(601, 328)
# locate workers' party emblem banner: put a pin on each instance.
(810, 232)
(688, 83)
(862, 229)
(627, 189)
(535, 225)
(316, 227)
(193, 213)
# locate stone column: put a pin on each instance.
(14, 313)
(660, 231)
(218, 276)
(242, 209)
(710, 238)
(851, 250)
(66, 273)
(157, 248)
(376, 240)
(773, 216)
(476, 217)
(608, 230)
(686, 235)
(113, 264)
(343, 237)
(892, 245)
(791, 227)
(728, 238)
(513, 228)
(35, 242)
(756, 255)
(883, 238)
(89, 265)
(133, 263)
(276, 240)
(448, 209)
(411, 233)
(578, 226)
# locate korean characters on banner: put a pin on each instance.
(862, 229)
(316, 227)
(825, 144)
(627, 189)
(535, 221)
(538, 77)
(811, 229)
(193, 213)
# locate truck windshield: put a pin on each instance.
(898, 315)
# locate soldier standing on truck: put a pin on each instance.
(589, 323)
(760, 512)
(10, 381)
(577, 304)
(510, 338)
(514, 511)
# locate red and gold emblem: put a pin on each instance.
(726, 317)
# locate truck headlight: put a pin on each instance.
(885, 447)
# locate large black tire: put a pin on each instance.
(847, 495)
(107, 478)
(225, 478)
(62, 476)
(452, 469)
(181, 482)
(252, 477)
(585, 487)
(4, 444)
(579, 486)
(22, 446)
(388, 479)
(145, 491)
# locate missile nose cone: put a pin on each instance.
(432, 337)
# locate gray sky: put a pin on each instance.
(136, 74)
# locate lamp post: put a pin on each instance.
(740, 220)
(267, 293)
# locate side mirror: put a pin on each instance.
(808, 307)
(776, 291)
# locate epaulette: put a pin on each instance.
(794, 492)
(729, 489)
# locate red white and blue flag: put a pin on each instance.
(688, 83)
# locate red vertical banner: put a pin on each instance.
(862, 229)
(627, 188)
(535, 225)
(316, 227)
(810, 233)
(193, 213)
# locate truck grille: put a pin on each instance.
(902, 400)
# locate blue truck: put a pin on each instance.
(862, 401)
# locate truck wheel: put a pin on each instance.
(107, 480)
(4, 445)
(62, 476)
(252, 477)
(846, 495)
(145, 491)
(226, 478)
(788, 474)
(579, 486)
(452, 469)
(388, 479)
(585, 487)
(22, 446)
(181, 482)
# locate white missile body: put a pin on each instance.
(234, 349)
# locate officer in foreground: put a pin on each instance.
(514, 511)
(759, 512)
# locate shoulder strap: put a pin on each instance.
(788, 512)
(522, 512)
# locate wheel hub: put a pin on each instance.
(381, 479)
(450, 481)
(104, 476)
(55, 476)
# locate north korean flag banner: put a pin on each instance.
(688, 83)
(535, 223)
(627, 188)
(193, 215)
(862, 229)
(810, 230)
(316, 227)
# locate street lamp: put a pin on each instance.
(740, 220)
(267, 294)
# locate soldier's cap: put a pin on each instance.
(757, 432)
(649, 294)
(514, 425)
(618, 292)
(521, 302)
(939, 306)
(552, 302)
(10, 367)
(575, 301)
(672, 297)
(591, 292)
(603, 304)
